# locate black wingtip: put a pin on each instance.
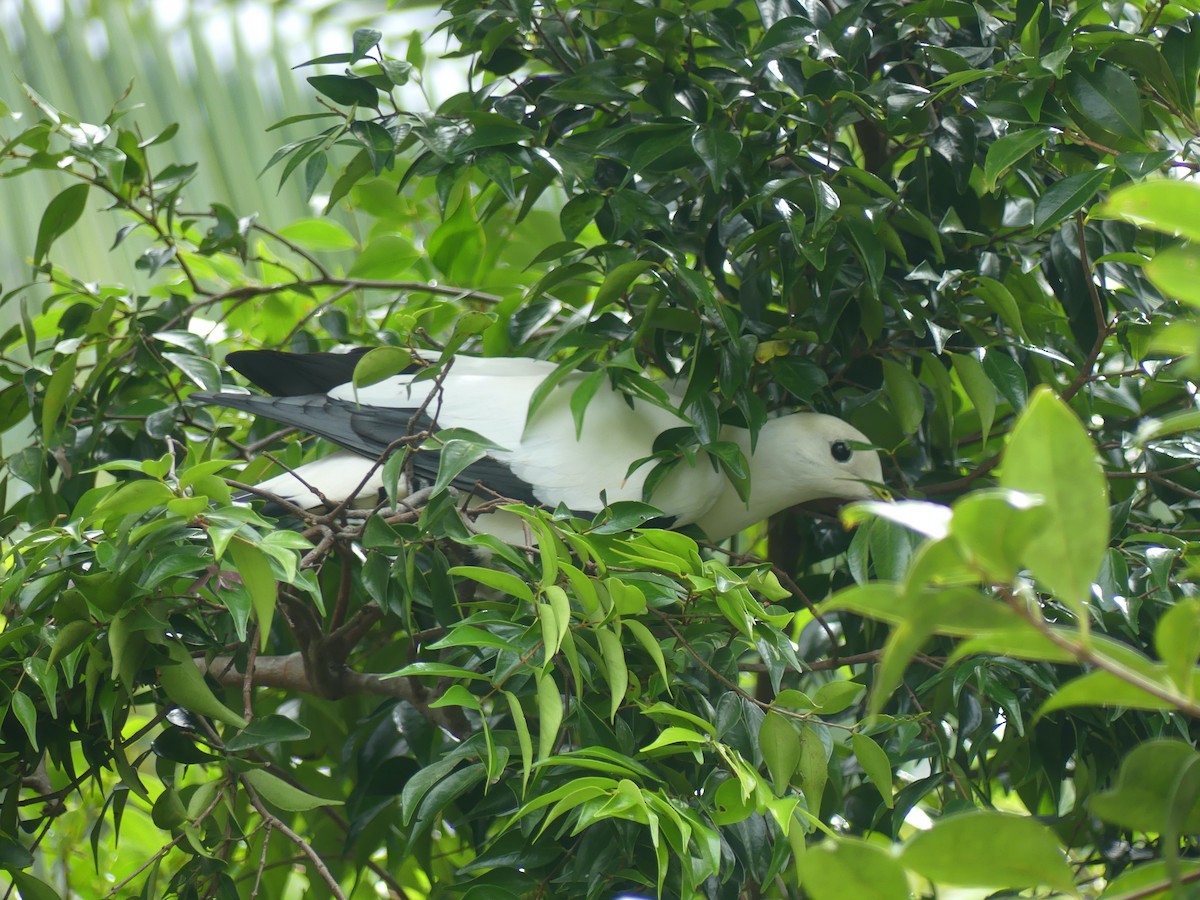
(284, 374)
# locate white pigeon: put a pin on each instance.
(797, 457)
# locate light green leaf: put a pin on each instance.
(1050, 454)
(550, 713)
(1100, 688)
(1176, 272)
(521, 727)
(1166, 205)
(60, 215)
(650, 645)
(380, 363)
(780, 745)
(285, 796)
(504, 582)
(961, 850)
(995, 526)
(849, 867)
(255, 572)
(58, 391)
(1177, 640)
(979, 389)
(1146, 791)
(875, 764)
(615, 672)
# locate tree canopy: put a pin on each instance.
(966, 228)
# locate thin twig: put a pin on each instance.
(305, 846)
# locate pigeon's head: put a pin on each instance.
(827, 457)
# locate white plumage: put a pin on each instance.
(799, 457)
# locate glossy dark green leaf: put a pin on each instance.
(346, 90)
(1107, 97)
(60, 214)
(1065, 197)
(1008, 150)
(718, 150)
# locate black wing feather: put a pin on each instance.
(294, 374)
(369, 431)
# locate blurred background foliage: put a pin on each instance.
(222, 71)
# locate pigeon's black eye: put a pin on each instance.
(841, 451)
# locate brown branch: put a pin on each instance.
(1083, 653)
(305, 846)
(290, 674)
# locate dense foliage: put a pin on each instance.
(953, 224)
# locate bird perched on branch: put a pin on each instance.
(543, 460)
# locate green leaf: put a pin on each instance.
(618, 280)
(346, 90)
(1007, 151)
(1177, 640)
(273, 729)
(364, 40)
(202, 371)
(1064, 197)
(26, 713)
(185, 686)
(524, 740)
(1050, 455)
(254, 569)
(779, 742)
(457, 695)
(1108, 99)
(463, 635)
(579, 212)
(504, 582)
(550, 713)
(644, 637)
(492, 130)
(32, 888)
(615, 671)
(978, 387)
(455, 456)
(904, 391)
(961, 850)
(14, 855)
(995, 527)
(1176, 272)
(1001, 300)
(60, 215)
(282, 795)
(435, 670)
(1106, 689)
(835, 696)
(718, 149)
(58, 392)
(815, 750)
(849, 867)
(1146, 794)
(875, 764)
(388, 256)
